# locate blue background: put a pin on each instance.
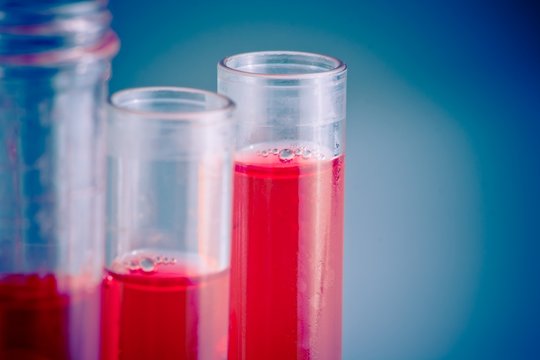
(443, 170)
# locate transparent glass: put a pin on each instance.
(165, 291)
(54, 67)
(286, 266)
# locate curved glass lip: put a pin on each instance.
(106, 48)
(226, 107)
(340, 66)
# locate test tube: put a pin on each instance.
(54, 67)
(287, 244)
(166, 284)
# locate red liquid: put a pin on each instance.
(38, 321)
(165, 315)
(286, 270)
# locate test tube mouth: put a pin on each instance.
(286, 65)
(39, 33)
(171, 103)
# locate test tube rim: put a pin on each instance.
(227, 107)
(339, 68)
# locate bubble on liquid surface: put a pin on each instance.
(298, 151)
(286, 155)
(147, 264)
(275, 151)
(133, 265)
(264, 153)
(108, 281)
(307, 154)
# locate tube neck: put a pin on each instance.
(39, 33)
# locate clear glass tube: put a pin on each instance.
(54, 66)
(165, 291)
(286, 266)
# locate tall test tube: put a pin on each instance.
(286, 269)
(166, 287)
(54, 66)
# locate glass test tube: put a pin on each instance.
(54, 66)
(166, 287)
(286, 266)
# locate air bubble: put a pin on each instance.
(165, 260)
(264, 153)
(275, 151)
(286, 155)
(158, 259)
(298, 151)
(307, 154)
(133, 265)
(147, 264)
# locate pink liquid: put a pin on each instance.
(169, 313)
(39, 321)
(286, 270)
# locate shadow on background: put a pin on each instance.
(442, 181)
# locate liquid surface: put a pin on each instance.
(158, 306)
(38, 321)
(286, 270)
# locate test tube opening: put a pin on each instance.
(283, 64)
(171, 103)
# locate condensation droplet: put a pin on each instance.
(147, 264)
(286, 155)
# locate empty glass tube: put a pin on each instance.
(54, 66)
(166, 287)
(286, 269)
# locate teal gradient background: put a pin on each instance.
(442, 200)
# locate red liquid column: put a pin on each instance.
(287, 250)
(165, 289)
